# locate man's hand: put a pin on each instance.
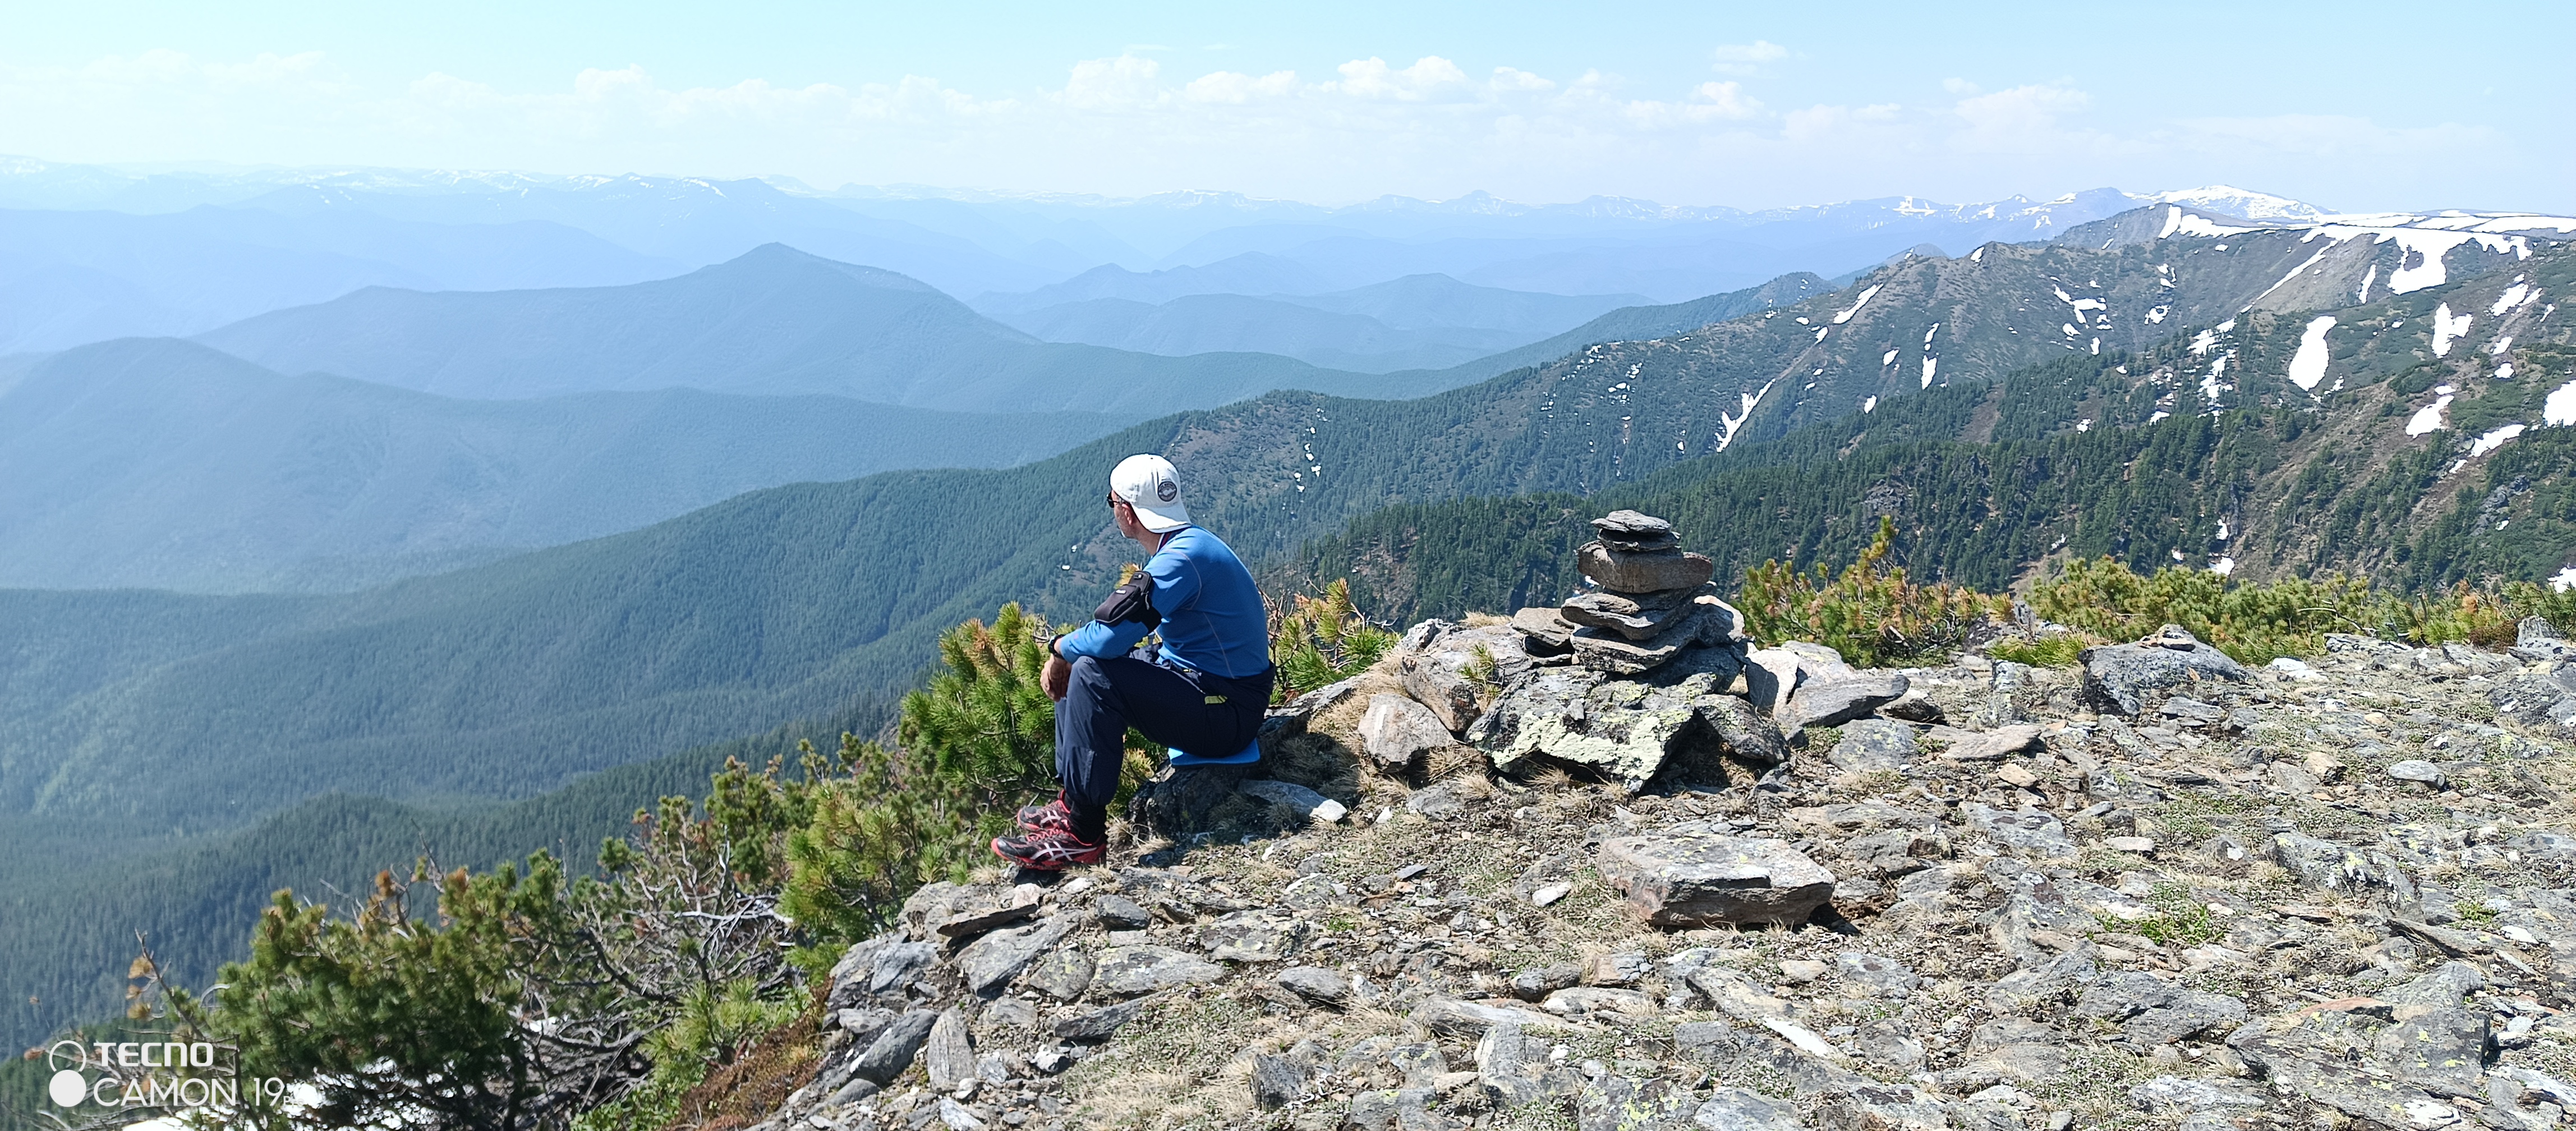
(1056, 678)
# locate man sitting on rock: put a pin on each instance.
(1203, 691)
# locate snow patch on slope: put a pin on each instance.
(2308, 366)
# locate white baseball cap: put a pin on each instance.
(1149, 483)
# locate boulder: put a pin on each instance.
(1625, 731)
(1119, 913)
(1619, 1103)
(2418, 771)
(1062, 975)
(2535, 639)
(1737, 1109)
(1455, 670)
(1623, 572)
(1398, 732)
(1695, 875)
(2117, 677)
(1833, 702)
(1742, 732)
(1771, 675)
(1181, 801)
(2029, 829)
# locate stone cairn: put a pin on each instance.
(1654, 603)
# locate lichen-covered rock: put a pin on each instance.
(1694, 875)
(1623, 730)
(1253, 936)
(1131, 970)
(1874, 745)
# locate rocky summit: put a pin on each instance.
(1493, 884)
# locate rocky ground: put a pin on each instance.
(1482, 887)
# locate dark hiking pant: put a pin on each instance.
(1206, 715)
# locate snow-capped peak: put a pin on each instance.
(2242, 203)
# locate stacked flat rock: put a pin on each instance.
(1655, 601)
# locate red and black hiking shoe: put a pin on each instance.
(1052, 817)
(1049, 851)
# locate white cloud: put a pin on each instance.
(1742, 58)
(1126, 124)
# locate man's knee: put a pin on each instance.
(1088, 675)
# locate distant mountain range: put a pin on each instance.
(163, 463)
(72, 277)
(774, 320)
(1416, 322)
(183, 277)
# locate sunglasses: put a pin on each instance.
(1114, 500)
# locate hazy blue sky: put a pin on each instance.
(2349, 105)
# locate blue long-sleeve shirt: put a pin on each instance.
(1213, 619)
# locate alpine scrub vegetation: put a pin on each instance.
(1319, 640)
(1875, 616)
(1878, 616)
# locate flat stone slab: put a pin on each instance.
(1623, 572)
(1544, 631)
(1252, 936)
(2028, 829)
(1992, 745)
(893, 1050)
(1695, 876)
(1705, 623)
(1316, 806)
(1130, 970)
(1316, 984)
(1833, 702)
(999, 957)
(1099, 1024)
